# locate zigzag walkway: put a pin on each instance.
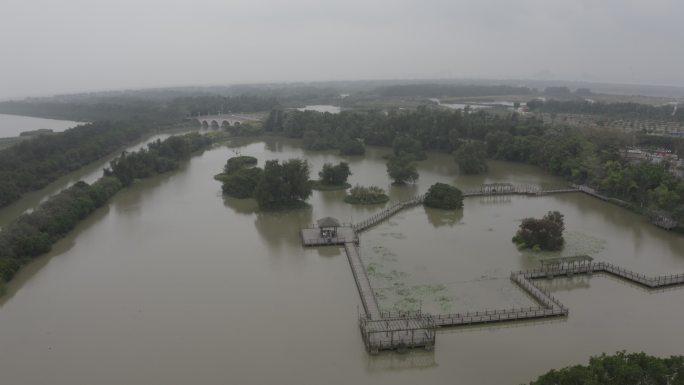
(390, 331)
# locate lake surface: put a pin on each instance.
(172, 283)
(13, 125)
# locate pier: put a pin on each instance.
(383, 330)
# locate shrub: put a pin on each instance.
(366, 195)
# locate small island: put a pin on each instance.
(239, 177)
(541, 234)
(372, 195)
(276, 186)
(443, 196)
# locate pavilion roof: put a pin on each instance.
(328, 222)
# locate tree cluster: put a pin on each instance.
(401, 169)
(443, 196)
(159, 157)
(239, 177)
(33, 164)
(283, 185)
(352, 147)
(34, 233)
(619, 369)
(334, 175)
(471, 157)
(541, 234)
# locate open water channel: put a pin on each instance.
(171, 283)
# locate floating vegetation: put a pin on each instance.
(576, 243)
(400, 297)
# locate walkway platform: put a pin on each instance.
(398, 333)
(312, 237)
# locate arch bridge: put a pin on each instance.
(222, 120)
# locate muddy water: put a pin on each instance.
(173, 284)
(89, 174)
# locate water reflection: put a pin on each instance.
(393, 361)
(130, 203)
(247, 206)
(329, 251)
(332, 197)
(280, 229)
(439, 218)
(400, 192)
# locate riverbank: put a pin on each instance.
(34, 233)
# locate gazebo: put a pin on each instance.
(328, 227)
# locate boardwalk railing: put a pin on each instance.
(608, 268)
(382, 330)
(368, 299)
(387, 213)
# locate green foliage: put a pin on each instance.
(239, 162)
(282, 185)
(32, 164)
(401, 170)
(334, 175)
(352, 147)
(409, 148)
(541, 234)
(242, 183)
(619, 369)
(366, 195)
(34, 233)
(471, 157)
(443, 196)
(159, 157)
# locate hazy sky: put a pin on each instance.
(60, 46)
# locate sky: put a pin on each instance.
(52, 47)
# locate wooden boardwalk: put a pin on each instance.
(370, 303)
(387, 213)
(397, 331)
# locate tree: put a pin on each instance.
(241, 183)
(408, 147)
(472, 157)
(352, 147)
(281, 185)
(334, 175)
(401, 170)
(541, 234)
(443, 196)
